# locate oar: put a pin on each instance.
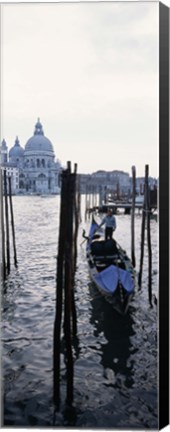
(83, 242)
(85, 237)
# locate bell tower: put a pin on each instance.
(4, 152)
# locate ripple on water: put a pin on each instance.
(115, 359)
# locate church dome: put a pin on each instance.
(38, 142)
(16, 150)
(4, 145)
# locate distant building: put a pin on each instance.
(112, 180)
(13, 172)
(10, 168)
(39, 173)
(84, 181)
(117, 183)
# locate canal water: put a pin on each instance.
(115, 358)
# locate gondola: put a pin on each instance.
(110, 269)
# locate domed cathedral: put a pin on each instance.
(39, 173)
(16, 154)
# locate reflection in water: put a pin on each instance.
(115, 359)
(75, 348)
(12, 287)
(117, 331)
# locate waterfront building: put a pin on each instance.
(39, 172)
(10, 168)
(13, 172)
(117, 184)
(109, 180)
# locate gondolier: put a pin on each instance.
(110, 224)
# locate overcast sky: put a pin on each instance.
(90, 72)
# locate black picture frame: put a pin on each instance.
(164, 216)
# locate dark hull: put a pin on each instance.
(120, 298)
(118, 302)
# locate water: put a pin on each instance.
(115, 359)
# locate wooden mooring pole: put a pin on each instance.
(142, 244)
(76, 220)
(146, 218)
(12, 222)
(133, 216)
(148, 237)
(7, 224)
(65, 283)
(86, 202)
(68, 286)
(101, 195)
(59, 291)
(90, 200)
(3, 269)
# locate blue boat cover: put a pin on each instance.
(109, 278)
(93, 228)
